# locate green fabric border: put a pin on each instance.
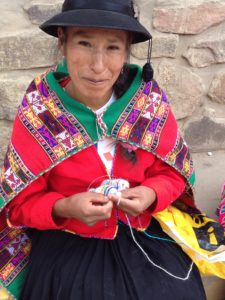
(2, 203)
(84, 114)
(15, 287)
(192, 179)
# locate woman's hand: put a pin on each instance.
(87, 207)
(134, 201)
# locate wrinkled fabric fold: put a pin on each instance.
(108, 269)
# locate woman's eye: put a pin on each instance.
(84, 43)
(113, 47)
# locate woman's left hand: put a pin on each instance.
(134, 201)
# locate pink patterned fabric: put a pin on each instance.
(222, 207)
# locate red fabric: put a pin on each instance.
(168, 136)
(33, 206)
(33, 155)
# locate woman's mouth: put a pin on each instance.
(95, 81)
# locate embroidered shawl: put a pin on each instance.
(221, 209)
(48, 130)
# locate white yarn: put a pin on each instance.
(154, 264)
(119, 198)
(118, 193)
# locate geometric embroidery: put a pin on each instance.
(35, 100)
(56, 130)
(66, 141)
(151, 106)
(15, 174)
(53, 128)
(149, 109)
(14, 245)
(180, 157)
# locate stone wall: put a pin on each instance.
(188, 57)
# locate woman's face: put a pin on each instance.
(95, 58)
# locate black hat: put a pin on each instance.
(109, 14)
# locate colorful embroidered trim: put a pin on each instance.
(221, 210)
(149, 109)
(15, 174)
(56, 131)
(15, 247)
(180, 157)
(53, 126)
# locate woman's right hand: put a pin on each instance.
(87, 207)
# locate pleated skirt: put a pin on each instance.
(64, 266)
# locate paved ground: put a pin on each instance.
(210, 175)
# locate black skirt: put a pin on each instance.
(68, 267)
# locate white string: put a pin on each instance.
(98, 134)
(154, 264)
(97, 178)
(119, 198)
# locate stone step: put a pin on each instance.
(189, 17)
(165, 45)
(27, 49)
(205, 133)
(176, 81)
(208, 49)
(39, 10)
(217, 90)
(13, 85)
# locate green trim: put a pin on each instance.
(192, 179)
(115, 109)
(16, 286)
(2, 203)
(84, 114)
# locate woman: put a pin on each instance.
(91, 118)
(221, 210)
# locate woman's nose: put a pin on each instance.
(98, 63)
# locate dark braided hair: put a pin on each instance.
(123, 82)
(120, 87)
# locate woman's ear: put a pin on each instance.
(61, 40)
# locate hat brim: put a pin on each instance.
(96, 19)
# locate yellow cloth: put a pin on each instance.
(199, 236)
(4, 295)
